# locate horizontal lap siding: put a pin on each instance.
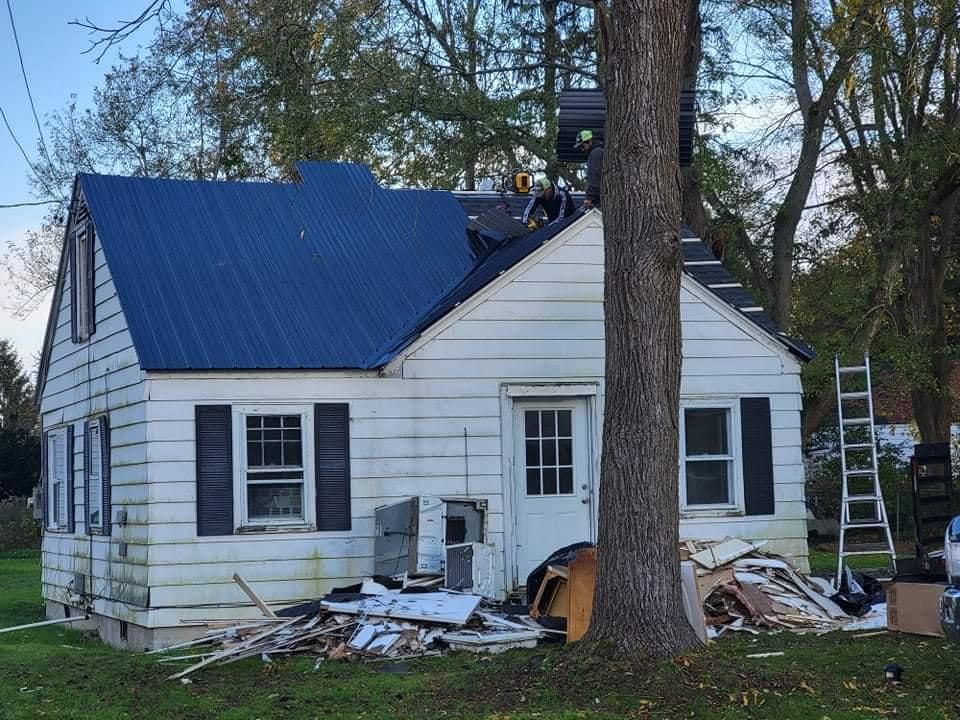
(547, 323)
(407, 434)
(406, 439)
(101, 375)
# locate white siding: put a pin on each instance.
(407, 431)
(547, 323)
(100, 375)
(543, 321)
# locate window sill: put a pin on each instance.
(695, 514)
(274, 529)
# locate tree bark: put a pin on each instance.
(637, 608)
(693, 212)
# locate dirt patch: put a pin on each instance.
(560, 677)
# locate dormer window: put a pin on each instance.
(82, 276)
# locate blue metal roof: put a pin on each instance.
(319, 273)
(330, 272)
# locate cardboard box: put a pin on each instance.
(914, 608)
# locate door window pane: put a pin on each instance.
(549, 452)
(533, 481)
(566, 481)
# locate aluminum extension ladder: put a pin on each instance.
(862, 509)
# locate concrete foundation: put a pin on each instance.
(122, 634)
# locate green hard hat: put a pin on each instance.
(584, 136)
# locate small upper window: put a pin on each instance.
(82, 277)
(274, 471)
(708, 458)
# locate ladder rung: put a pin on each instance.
(861, 472)
(867, 523)
(859, 446)
(853, 369)
(862, 498)
(856, 421)
(854, 395)
(869, 549)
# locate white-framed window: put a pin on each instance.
(710, 463)
(94, 476)
(57, 479)
(275, 461)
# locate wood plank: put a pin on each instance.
(582, 579)
(253, 596)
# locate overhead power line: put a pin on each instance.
(26, 84)
(33, 169)
(27, 203)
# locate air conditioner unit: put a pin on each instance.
(470, 567)
(410, 535)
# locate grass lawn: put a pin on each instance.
(59, 673)
(825, 561)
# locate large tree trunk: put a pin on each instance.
(637, 606)
(693, 212)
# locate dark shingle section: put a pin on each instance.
(698, 252)
(738, 297)
(708, 273)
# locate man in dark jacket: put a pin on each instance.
(593, 151)
(555, 202)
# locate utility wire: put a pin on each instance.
(27, 203)
(13, 135)
(26, 84)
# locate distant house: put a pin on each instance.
(235, 375)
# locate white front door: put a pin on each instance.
(552, 479)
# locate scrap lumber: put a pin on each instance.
(253, 596)
(383, 624)
(721, 553)
(582, 575)
(43, 623)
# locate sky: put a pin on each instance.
(56, 69)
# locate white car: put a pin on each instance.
(950, 599)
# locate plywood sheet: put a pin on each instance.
(582, 579)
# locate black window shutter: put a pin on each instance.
(44, 480)
(72, 259)
(71, 520)
(757, 455)
(331, 433)
(87, 454)
(214, 431)
(91, 280)
(107, 513)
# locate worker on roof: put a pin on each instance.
(593, 151)
(555, 202)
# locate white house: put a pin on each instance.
(235, 375)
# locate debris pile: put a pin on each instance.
(744, 589)
(370, 624)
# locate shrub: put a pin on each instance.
(18, 529)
